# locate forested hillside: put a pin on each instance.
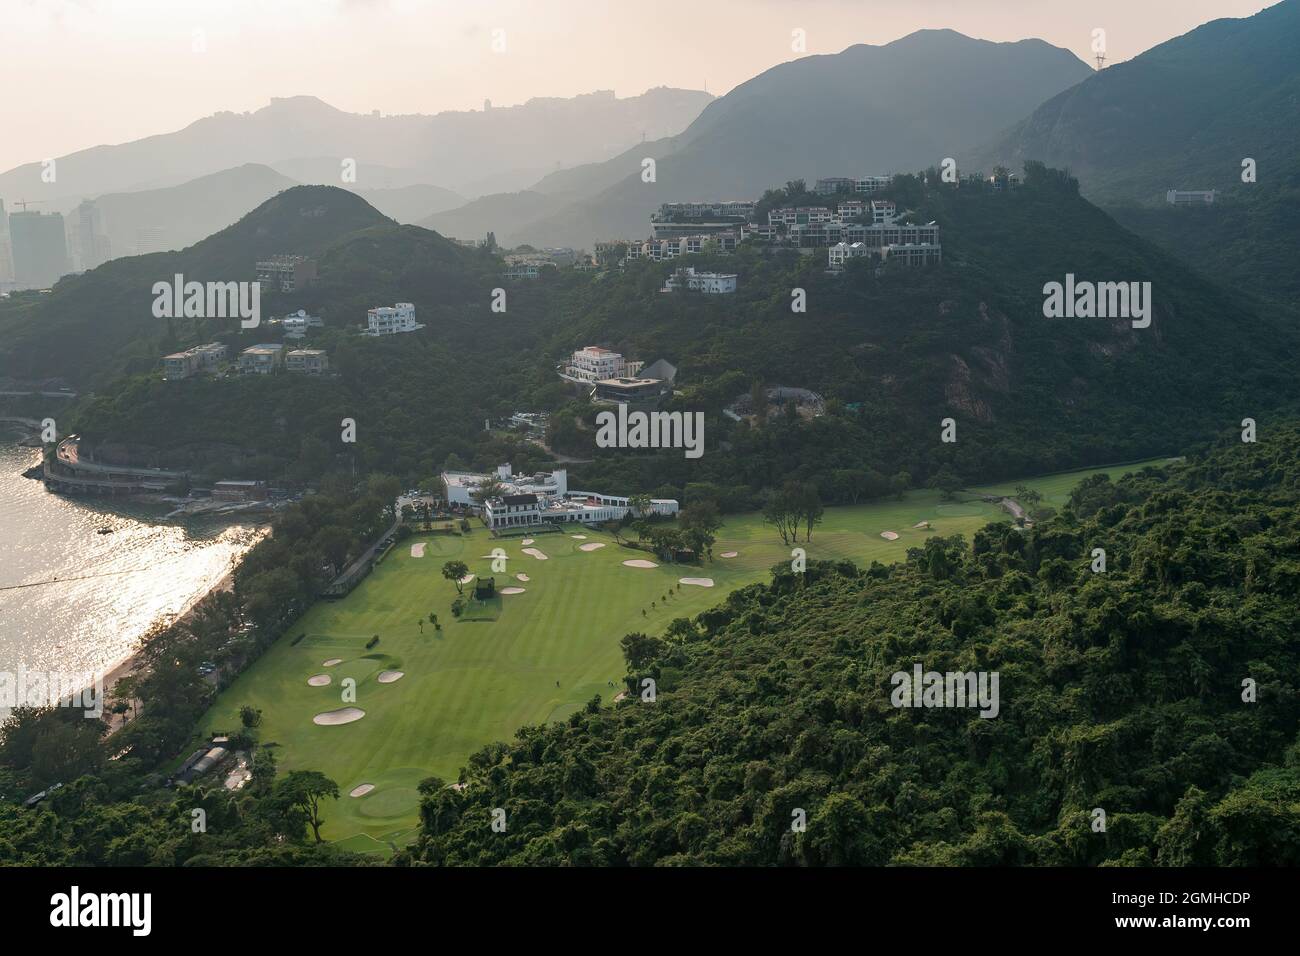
(1162, 691)
(894, 352)
(1187, 114)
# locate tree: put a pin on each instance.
(304, 790)
(783, 511)
(455, 570)
(698, 523)
(250, 716)
(640, 650)
(810, 510)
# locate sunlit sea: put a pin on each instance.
(94, 594)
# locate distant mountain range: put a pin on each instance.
(154, 220)
(475, 151)
(899, 107)
(1184, 115)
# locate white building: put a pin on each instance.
(883, 212)
(841, 252)
(390, 320)
(594, 364)
(1190, 197)
(716, 283)
(541, 499)
(296, 325)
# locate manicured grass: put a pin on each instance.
(538, 657)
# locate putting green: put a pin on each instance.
(529, 658)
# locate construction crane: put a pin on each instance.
(24, 203)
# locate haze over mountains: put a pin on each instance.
(170, 190)
(898, 107)
(1184, 115)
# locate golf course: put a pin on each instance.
(427, 697)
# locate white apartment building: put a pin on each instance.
(883, 212)
(594, 363)
(391, 320)
(799, 215)
(841, 252)
(715, 283)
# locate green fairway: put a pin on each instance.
(525, 659)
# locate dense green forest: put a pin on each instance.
(1162, 691)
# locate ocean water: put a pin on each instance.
(73, 600)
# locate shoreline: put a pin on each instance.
(131, 662)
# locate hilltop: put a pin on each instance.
(1184, 115)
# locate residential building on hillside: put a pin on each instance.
(391, 320)
(871, 184)
(714, 283)
(307, 361)
(261, 359)
(841, 252)
(833, 184)
(593, 363)
(677, 219)
(201, 358)
(296, 324)
(286, 273)
(912, 253)
(883, 212)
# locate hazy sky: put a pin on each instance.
(77, 73)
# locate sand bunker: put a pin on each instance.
(698, 582)
(468, 578)
(512, 590)
(921, 524)
(889, 535)
(332, 661)
(591, 546)
(521, 577)
(579, 537)
(639, 563)
(320, 680)
(361, 790)
(527, 541)
(730, 554)
(536, 554)
(344, 715)
(417, 550)
(387, 677)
